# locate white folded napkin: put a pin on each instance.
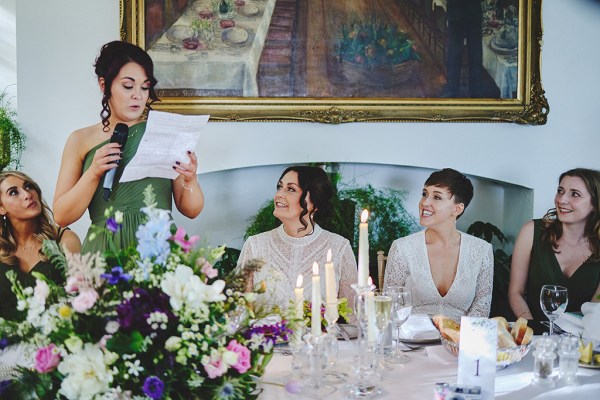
(419, 327)
(591, 320)
(570, 323)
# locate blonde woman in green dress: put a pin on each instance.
(126, 79)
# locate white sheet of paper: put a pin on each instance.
(477, 354)
(167, 139)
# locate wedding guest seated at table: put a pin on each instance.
(26, 223)
(562, 248)
(126, 80)
(303, 197)
(448, 271)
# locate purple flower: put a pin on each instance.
(4, 342)
(293, 387)
(153, 387)
(271, 333)
(134, 313)
(4, 385)
(112, 225)
(116, 275)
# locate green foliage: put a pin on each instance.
(388, 218)
(12, 138)
(487, 232)
(374, 41)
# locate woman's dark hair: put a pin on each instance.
(552, 227)
(459, 186)
(113, 56)
(315, 181)
(46, 228)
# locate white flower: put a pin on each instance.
(173, 343)
(86, 374)
(112, 327)
(74, 344)
(186, 289)
(119, 217)
(41, 291)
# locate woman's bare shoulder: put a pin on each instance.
(86, 138)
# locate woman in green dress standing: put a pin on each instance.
(126, 79)
(562, 248)
(26, 221)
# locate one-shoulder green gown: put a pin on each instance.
(127, 197)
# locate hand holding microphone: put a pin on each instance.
(119, 136)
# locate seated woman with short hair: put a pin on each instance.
(448, 272)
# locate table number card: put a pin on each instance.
(477, 354)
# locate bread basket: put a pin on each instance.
(505, 356)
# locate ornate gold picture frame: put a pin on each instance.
(343, 60)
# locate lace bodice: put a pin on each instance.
(471, 292)
(286, 257)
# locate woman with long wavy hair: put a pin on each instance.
(302, 199)
(26, 222)
(562, 248)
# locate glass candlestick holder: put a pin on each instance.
(317, 387)
(332, 374)
(364, 382)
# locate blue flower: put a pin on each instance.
(4, 342)
(153, 387)
(112, 225)
(153, 237)
(116, 275)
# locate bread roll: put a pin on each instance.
(502, 321)
(519, 329)
(505, 339)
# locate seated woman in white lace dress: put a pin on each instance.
(449, 272)
(303, 196)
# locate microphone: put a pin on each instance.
(119, 136)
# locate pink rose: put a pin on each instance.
(215, 368)
(84, 300)
(47, 358)
(72, 284)
(243, 363)
(207, 269)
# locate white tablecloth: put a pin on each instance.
(225, 67)
(416, 379)
(502, 68)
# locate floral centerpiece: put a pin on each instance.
(151, 322)
(373, 50)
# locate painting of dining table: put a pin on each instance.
(289, 50)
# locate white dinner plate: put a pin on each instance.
(177, 33)
(235, 36)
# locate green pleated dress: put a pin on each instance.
(127, 197)
(544, 269)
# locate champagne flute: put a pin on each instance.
(401, 309)
(383, 312)
(553, 300)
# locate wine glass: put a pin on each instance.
(401, 309)
(383, 312)
(553, 300)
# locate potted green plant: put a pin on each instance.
(12, 138)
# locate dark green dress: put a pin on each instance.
(127, 197)
(545, 270)
(8, 301)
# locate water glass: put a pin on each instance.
(401, 309)
(553, 300)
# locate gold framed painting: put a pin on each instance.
(344, 60)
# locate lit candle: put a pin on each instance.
(363, 249)
(371, 327)
(315, 322)
(330, 292)
(299, 298)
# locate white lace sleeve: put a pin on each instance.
(396, 269)
(483, 292)
(348, 274)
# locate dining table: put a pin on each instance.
(431, 364)
(206, 51)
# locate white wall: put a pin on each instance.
(8, 50)
(58, 41)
